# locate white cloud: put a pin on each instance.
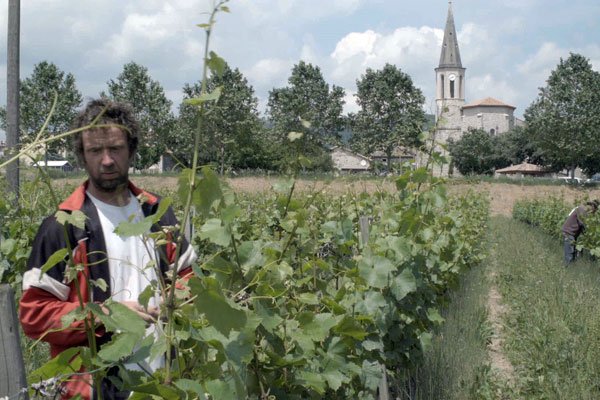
(308, 54)
(350, 105)
(414, 50)
(353, 44)
(487, 85)
(268, 70)
(543, 61)
(293, 11)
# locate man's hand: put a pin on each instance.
(149, 315)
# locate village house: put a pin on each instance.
(345, 160)
(57, 165)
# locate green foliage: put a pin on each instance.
(552, 323)
(391, 112)
(316, 310)
(152, 110)
(307, 105)
(563, 119)
(476, 152)
(37, 95)
(548, 214)
(516, 146)
(18, 227)
(232, 134)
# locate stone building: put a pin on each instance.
(454, 116)
(348, 161)
(489, 114)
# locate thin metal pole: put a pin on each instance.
(12, 95)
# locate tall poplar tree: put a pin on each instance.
(391, 112)
(37, 95)
(563, 120)
(152, 109)
(310, 106)
(232, 134)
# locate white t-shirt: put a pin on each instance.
(130, 258)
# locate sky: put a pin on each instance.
(508, 47)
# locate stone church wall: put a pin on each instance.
(494, 120)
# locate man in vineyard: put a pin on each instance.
(574, 226)
(120, 266)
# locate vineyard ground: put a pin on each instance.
(502, 195)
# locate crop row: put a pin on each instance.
(293, 297)
(549, 214)
(320, 307)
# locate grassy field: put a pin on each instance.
(549, 326)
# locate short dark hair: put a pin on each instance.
(593, 204)
(111, 112)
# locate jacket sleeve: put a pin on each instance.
(46, 297)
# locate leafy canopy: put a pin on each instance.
(37, 95)
(310, 107)
(152, 109)
(391, 111)
(231, 130)
(477, 152)
(563, 120)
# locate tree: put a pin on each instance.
(391, 112)
(151, 107)
(232, 132)
(516, 146)
(476, 152)
(308, 106)
(563, 120)
(37, 94)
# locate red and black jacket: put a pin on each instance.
(48, 297)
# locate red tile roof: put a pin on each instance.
(488, 102)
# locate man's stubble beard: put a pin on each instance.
(110, 185)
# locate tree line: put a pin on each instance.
(562, 128)
(560, 132)
(235, 135)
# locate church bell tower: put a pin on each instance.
(450, 88)
(450, 78)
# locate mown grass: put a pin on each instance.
(457, 366)
(553, 325)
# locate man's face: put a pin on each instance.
(106, 156)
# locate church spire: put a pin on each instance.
(450, 56)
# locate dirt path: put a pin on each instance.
(496, 310)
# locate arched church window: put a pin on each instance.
(492, 131)
(443, 87)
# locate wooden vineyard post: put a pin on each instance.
(383, 389)
(12, 371)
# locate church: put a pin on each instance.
(453, 115)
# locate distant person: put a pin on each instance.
(107, 198)
(574, 226)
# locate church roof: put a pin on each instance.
(450, 56)
(488, 102)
